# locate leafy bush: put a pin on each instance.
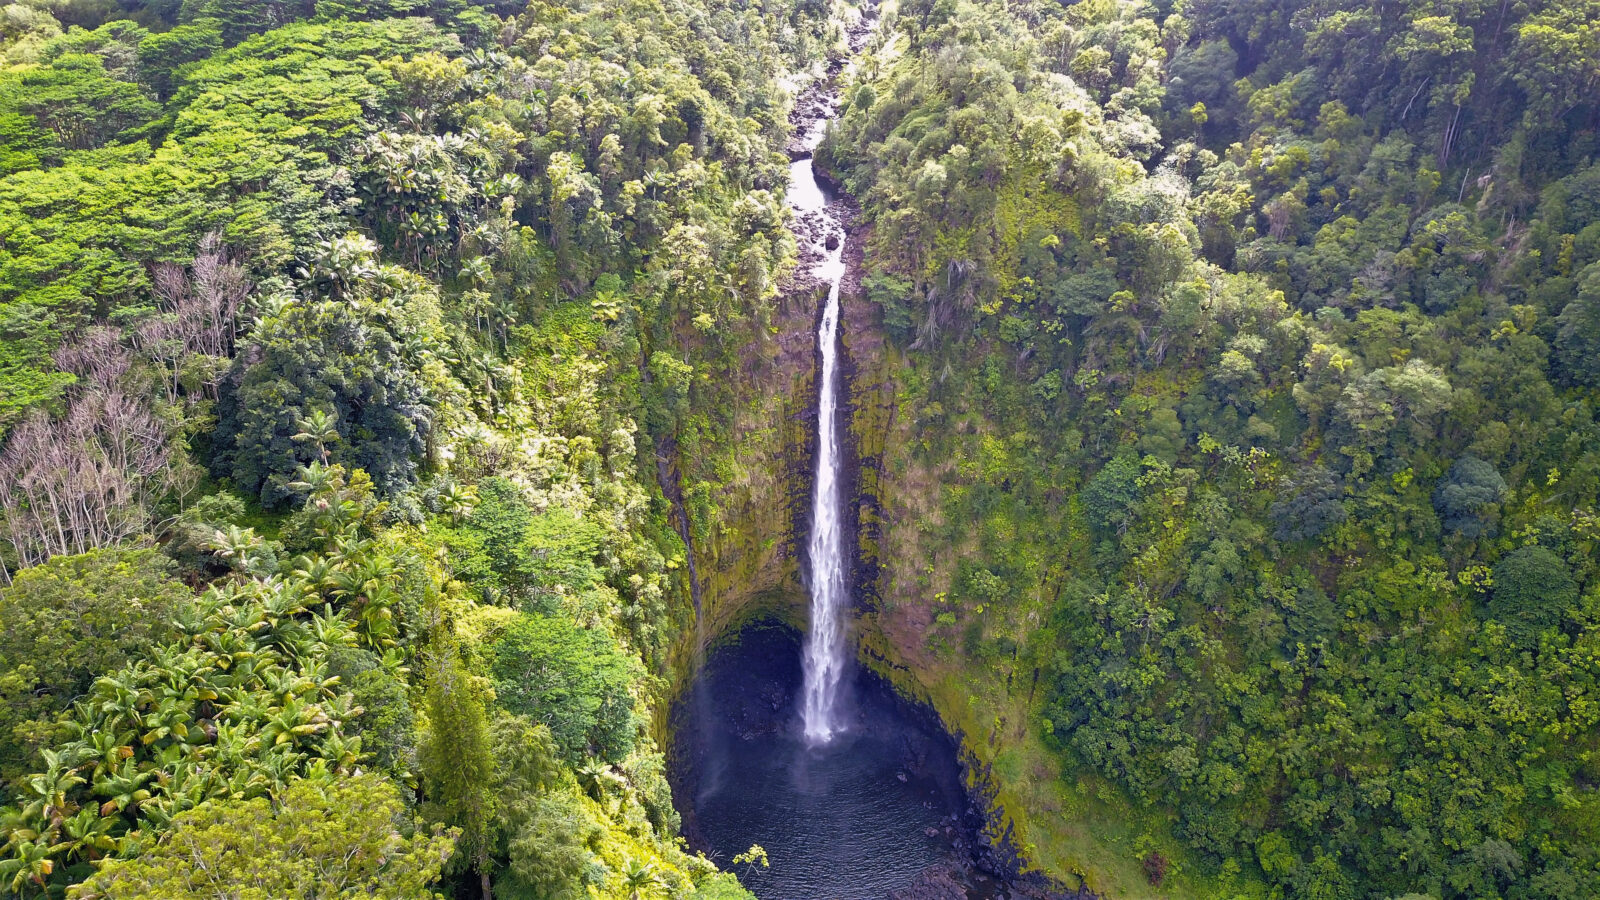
(1313, 505)
(574, 680)
(319, 839)
(515, 554)
(1533, 590)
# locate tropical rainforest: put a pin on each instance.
(398, 396)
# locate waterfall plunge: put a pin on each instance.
(825, 645)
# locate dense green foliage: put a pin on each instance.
(347, 839)
(357, 358)
(1259, 335)
(364, 320)
(67, 622)
(572, 680)
(1246, 364)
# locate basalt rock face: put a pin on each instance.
(870, 404)
(751, 566)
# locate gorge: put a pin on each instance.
(852, 791)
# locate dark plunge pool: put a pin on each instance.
(879, 812)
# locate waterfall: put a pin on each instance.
(828, 553)
(825, 658)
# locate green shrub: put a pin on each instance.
(574, 680)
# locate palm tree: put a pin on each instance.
(51, 792)
(458, 501)
(342, 753)
(597, 775)
(641, 879)
(269, 307)
(329, 629)
(315, 478)
(349, 264)
(237, 546)
(124, 789)
(27, 863)
(321, 428)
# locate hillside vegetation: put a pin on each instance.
(374, 374)
(1246, 441)
(336, 344)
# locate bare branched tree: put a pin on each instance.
(199, 313)
(90, 477)
(85, 480)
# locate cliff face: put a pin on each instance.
(751, 566)
(1059, 837)
(748, 554)
(749, 561)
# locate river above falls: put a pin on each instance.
(878, 812)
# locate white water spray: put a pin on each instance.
(825, 644)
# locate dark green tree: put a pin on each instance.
(1109, 496)
(1578, 337)
(353, 357)
(457, 762)
(1533, 591)
(1467, 496)
(79, 102)
(161, 55)
(544, 830)
(573, 680)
